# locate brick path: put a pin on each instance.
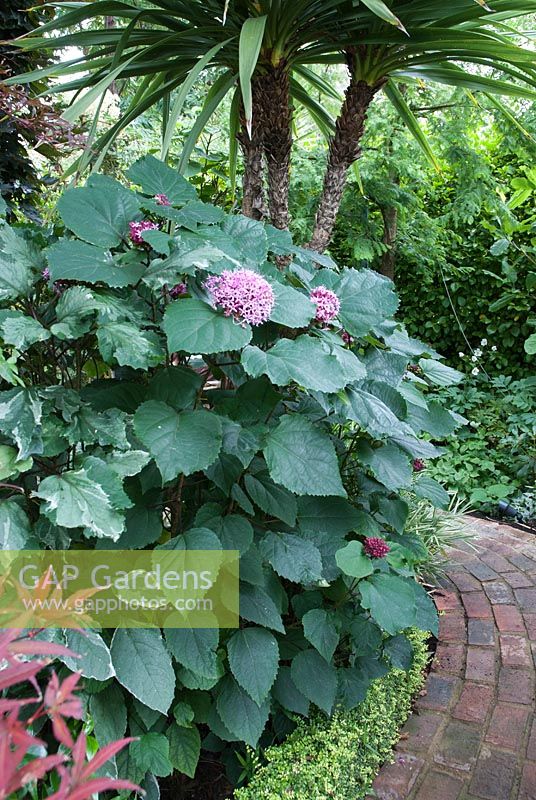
(473, 734)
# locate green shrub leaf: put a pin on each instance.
(254, 658)
(194, 327)
(315, 679)
(143, 666)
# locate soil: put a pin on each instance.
(210, 783)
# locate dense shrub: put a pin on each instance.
(493, 457)
(166, 385)
(340, 757)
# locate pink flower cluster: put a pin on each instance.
(136, 229)
(243, 294)
(162, 199)
(347, 339)
(376, 547)
(418, 465)
(327, 303)
(178, 290)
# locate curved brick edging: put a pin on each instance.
(473, 733)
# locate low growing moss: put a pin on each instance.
(339, 757)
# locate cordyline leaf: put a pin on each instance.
(249, 48)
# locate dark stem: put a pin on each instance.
(253, 201)
(276, 112)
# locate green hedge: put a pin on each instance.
(339, 757)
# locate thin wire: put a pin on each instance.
(460, 326)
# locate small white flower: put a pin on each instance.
(483, 343)
(474, 358)
(478, 352)
(493, 348)
(475, 371)
(461, 355)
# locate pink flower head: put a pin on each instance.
(178, 290)
(327, 303)
(243, 294)
(136, 229)
(418, 465)
(347, 339)
(162, 199)
(45, 274)
(376, 547)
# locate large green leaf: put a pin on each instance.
(373, 414)
(291, 308)
(286, 693)
(21, 419)
(239, 713)
(195, 649)
(438, 373)
(302, 458)
(388, 463)
(182, 442)
(151, 754)
(328, 514)
(155, 177)
(257, 606)
(94, 659)
(143, 666)
(73, 260)
(125, 343)
(254, 659)
(292, 557)
(315, 678)
(352, 560)
(307, 361)
(21, 331)
(249, 47)
(109, 714)
(15, 531)
(74, 500)
(272, 499)
(176, 386)
(320, 630)
(99, 212)
(366, 300)
(73, 312)
(16, 259)
(194, 327)
(184, 748)
(390, 600)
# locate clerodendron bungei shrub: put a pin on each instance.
(171, 386)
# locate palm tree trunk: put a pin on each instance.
(277, 124)
(343, 151)
(253, 199)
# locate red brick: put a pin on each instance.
(499, 592)
(530, 622)
(458, 747)
(508, 618)
(496, 562)
(440, 691)
(480, 665)
(446, 601)
(481, 632)
(527, 790)
(516, 685)
(440, 786)
(481, 571)
(452, 627)
(494, 775)
(464, 581)
(419, 731)
(515, 651)
(531, 746)
(517, 580)
(395, 781)
(450, 658)
(474, 703)
(507, 726)
(477, 605)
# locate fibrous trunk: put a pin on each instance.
(343, 151)
(276, 114)
(252, 146)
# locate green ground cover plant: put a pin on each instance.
(340, 757)
(165, 384)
